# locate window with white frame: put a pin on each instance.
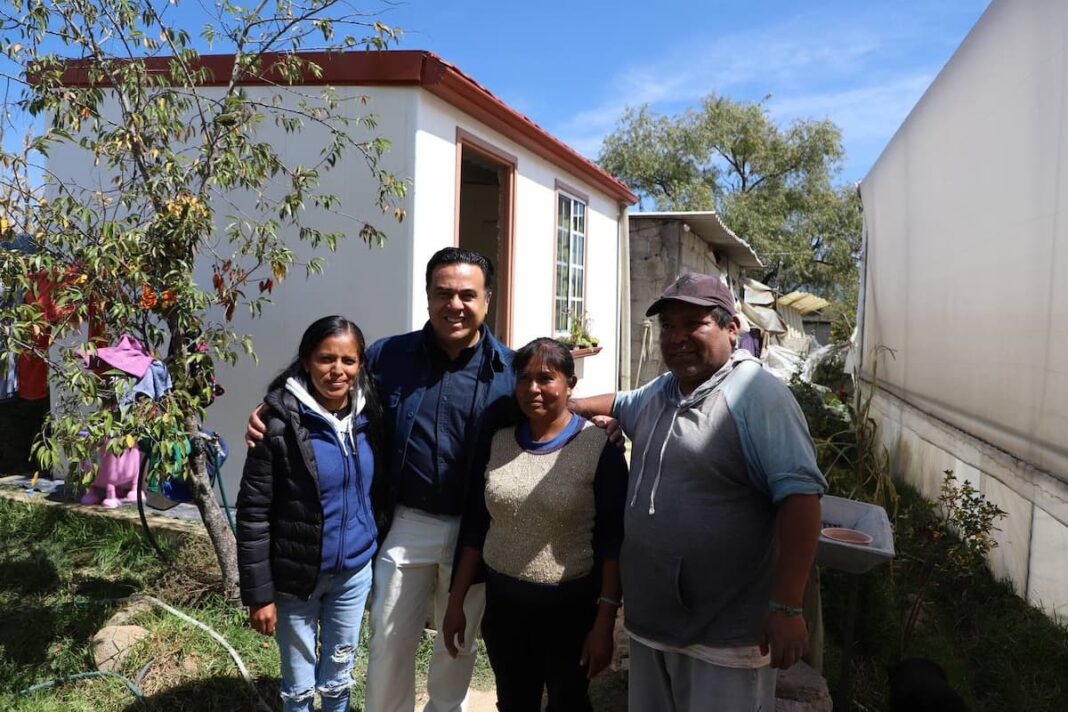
(570, 262)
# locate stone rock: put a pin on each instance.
(802, 689)
(112, 644)
(127, 612)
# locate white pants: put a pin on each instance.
(412, 570)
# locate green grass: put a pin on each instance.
(57, 570)
(999, 653)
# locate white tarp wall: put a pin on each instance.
(966, 214)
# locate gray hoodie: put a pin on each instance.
(707, 472)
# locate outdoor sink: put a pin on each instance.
(868, 518)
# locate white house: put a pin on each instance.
(482, 176)
(966, 278)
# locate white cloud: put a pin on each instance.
(863, 72)
(776, 57)
(864, 112)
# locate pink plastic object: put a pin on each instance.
(117, 480)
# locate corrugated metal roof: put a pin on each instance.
(709, 227)
(803, 302)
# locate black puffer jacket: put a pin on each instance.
(279, 511)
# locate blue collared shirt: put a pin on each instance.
(435, 410)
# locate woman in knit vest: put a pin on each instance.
(307, 529)
(548, 526)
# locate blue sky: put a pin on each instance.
(573, 66)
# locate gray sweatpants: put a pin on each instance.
(673, 682)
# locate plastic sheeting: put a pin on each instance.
(757, 294)
(782, 362)
(764, 318)
(966, 215)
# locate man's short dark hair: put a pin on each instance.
(456, 256)
(722, 317)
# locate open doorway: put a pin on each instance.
(484, 217)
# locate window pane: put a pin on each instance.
(576, 283)
(561, 314)
(578, 250)
(561, 281)
(563, 246)
(576, 308)
(563, 213)
(579, 216)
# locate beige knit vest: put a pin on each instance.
(542, 508)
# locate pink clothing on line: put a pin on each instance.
(127, 355)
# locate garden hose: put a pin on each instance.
(134, 689)
(217, 477)
(214, 476)
(130, 684)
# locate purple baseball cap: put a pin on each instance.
(693, 288)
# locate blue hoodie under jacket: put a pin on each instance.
(344, 464)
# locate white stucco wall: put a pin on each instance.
(535, 234)
(369, 286)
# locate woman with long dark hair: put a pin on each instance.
(547, 525)
(310, 514)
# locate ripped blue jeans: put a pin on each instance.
(331, 618)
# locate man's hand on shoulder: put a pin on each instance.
(256, 428)
(611, 427)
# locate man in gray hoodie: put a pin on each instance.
(722, 516)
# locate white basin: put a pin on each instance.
(868, 518)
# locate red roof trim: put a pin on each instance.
(413, 68)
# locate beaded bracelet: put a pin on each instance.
(788, 610)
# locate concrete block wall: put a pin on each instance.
(1032, 538)
(653, 265)
(660, 250)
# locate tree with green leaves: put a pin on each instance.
(773, 185)
(121, 251)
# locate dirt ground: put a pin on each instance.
(477, 701)
(608, 693)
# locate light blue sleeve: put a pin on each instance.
(628, 404)
(774, 434)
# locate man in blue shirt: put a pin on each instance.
(437, 386)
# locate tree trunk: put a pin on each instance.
(222, 537)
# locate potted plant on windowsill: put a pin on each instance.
(580, 340)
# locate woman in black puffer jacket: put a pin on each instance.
(311, 511)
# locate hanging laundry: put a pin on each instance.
(116, 480)
(127, 355)
(9, 297)
(154, 383)
(9, 378)
(32, 369)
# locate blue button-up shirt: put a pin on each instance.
(436, 410)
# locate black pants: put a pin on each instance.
(534, 642)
